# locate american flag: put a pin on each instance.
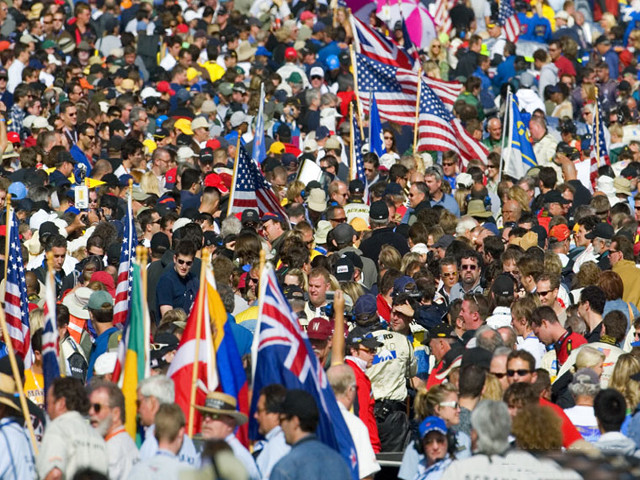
(16, 304)
(357, 161)
(442, 17)
(125, 270)
(281, 353)
(508, 20)
(50, 353)
(251, 189)
(409, 47)
(599, 150)
(259, 150)
(396, 90)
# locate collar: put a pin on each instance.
(275, 431)
(116, 432)
(358, 361)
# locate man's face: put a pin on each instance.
(70, 117)
(365, 354)
(495, 129)
(498, 367)
(183, 264)
(530, 193)
(615, 255)
(59, 254)
(546, 294)
(321, 348)
(289, 426)
(399, 321)
(100, 412)
(267, 421)
(433, 184)
(567, 195)
(510, 211)
(543, 332)
(272, 229)
(470, 273)
(215, 428)
(554, 52)
(449, 167)
(555, 209)
(637, 210)
(318, 290)
(369, 171)
(438, 348)
(341, 196)
(339, 216)
(449, 275)
(518, 371)
(469, 316)
(147, 409)
(88, 138)
(415, 196)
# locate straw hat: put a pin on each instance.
(219, 403)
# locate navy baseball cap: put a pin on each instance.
(365, 305)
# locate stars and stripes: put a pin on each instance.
(251, 189)
(442, 17)
(50, 350)
(508, 20)
(127, 254)
(396, 90)
(16, 304)
(599, 149)
(357, 160)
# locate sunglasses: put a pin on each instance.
(448, 164)
(97, 407)
(469, 267)
(521, 372)
(188, 263)
(449, 404)
(449, 274)
(498, 375)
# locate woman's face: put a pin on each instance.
(435, 446)
(449, 410)
(388, 140)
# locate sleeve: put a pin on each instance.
(53, 452)
(164, 292)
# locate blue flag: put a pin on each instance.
(282, 354)
(519, 156)
(259, 150)
(50, 356)
(375, 127)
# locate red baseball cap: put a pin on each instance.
(183, 28)
(306, 15)
(213, 144)
(164, 87)
(214, 180)
(170, 176)
(560, 232)
(13, 137)
(319, 329)
(290, 54)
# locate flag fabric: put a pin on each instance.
(181, 368)
(442, 17)
(133, 355)
(448, 92)
(259, 150)
(409, 47)
(519, 156)
(599, 149)
(16, 304)
(376, 46)
(282, 354)
(508, 20)
(231, 376)
(396, 90)
(251, 189)
(357, 159)
(375, 127)
(125, 269)
(50, 348)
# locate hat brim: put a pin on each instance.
(445, 373)
(8, 400)
(480, 213)
(239, 417)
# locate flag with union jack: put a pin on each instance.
(50, 349)
(127, 255)
(396, 90)
(599, 149)
(16, 304)
(282, 354)
(508, 20)
(251, 189)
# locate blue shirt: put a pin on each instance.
(310, 459)
(505, 72)
(79, 156)
(449, 203)
(176, 291)
(99, 347)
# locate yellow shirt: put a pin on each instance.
(216, 72)
(34, 387)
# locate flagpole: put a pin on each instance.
(504, 131)
(337, 346)
(7, 227)
(141, 255)
(235, 176)
(196, 362)
(351, 139)
(354, 66)
(596, 116)
(415, 127)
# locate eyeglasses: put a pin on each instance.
(499, 375)
(58, 19)
(188, 263)
(339, 220)
(91, 137)
(372, 351)
(449, 404)
(97, 407)
(48, 23)
(521, 372)
(543, 294)
(252, 280)
(72, 114)
(449, 274)
(448, 164)
(469, 267)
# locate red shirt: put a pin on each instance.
(433, 380)
(568, 344)
(365, 404)
(570, 433)
(384, 310)
(565, 67)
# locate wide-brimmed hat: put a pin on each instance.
(7, 391)
(476, 209)
(77, 301)
(317, 200)
(219, 403)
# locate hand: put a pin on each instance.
(3, 107)
(560, 158)
(338, 299)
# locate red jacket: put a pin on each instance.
(570, 433)
(384, 310)
(363, 407)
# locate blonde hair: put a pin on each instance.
(426, 401)
(589, 357)
(492, 389)
(409, 258)
(36, 319)
(389, 257)
(552, 264)
(519, 195)
(626, 365)
(149, 183)
(353, 289)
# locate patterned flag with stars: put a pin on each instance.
(396, 90)
(16, 304)
(259, 150)
(508, 20)
(357, 161)
(127, 254)
(251, 189)
(599, 150)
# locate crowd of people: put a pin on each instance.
(492, 323)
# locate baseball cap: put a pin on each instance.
(504, 285)
(432, 424)
(356, 186)
(359, 224)
(319, 329)
(343, 269)
(477, 356)
(316, 72)
(444, 242)
(291, 54)
(343, 233)
(393, 189)
(365, 305)
(379, 211)
(249, 216)
(560, 232)
(271, 216)
(160, 241)
(441, 330)
(554, 196)
(98, 299)
(367, 340)
(184, 126)
(214, 180)
(163, 343)
(602, 230)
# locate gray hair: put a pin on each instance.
(341, 377)
(434, 172)
(465, 224)
(585, 383)
(501, 352)
(311, 95)
(488, 338)
(159, 386)
(230, 226)
(512, 337)
(227, 296)
(116, 397)
(134, 115)
(492, 423)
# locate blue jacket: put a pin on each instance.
(312, 460)
(506, 71)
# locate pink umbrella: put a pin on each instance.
(420, 23)
(361, 9)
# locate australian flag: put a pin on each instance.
(282, 354)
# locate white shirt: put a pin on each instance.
(168, 62)
(587, 255)
(163, 464)
(534, 346)
(187, 454)
(585, 421)
(123, 454)
(501, 317)
(17, 461)
(274, 449)
(15, 75)
(367, 463)
(242, 454)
